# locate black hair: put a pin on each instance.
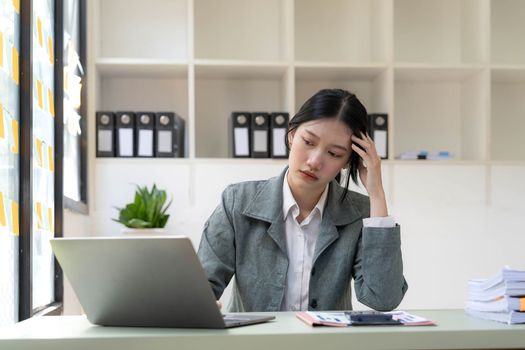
(343, 106)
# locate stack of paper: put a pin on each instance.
(500, 298)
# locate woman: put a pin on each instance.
(294, 242)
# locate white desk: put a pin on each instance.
(455, 330)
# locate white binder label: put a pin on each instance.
(125, 142)
(260, 141)
(145, 143)
(380, 141)
(278, 145)
(165, 144)
(105, 140)
(242, 147)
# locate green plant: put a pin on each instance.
(148, 210)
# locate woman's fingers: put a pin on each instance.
(362, 153)
(360, 141)
(368, 145)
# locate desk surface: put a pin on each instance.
(454, 330)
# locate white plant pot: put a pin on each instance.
(147, 232)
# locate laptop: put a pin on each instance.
(143, 282)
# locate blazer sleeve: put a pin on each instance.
(217, 246)
(378, 268)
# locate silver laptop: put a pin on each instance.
(143, 282)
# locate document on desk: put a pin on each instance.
(341, 319)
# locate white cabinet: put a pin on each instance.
(449, 73)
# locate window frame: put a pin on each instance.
(25, 307)
(80, 206)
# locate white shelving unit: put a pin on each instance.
(449, 73)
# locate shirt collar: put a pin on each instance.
(289, 201)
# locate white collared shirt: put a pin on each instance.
(300, 246)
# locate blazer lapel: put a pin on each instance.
(336, 213)
(267, 205)
(327, 235)
(276, 232)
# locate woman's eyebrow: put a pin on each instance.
(311, 133)
(331, 145)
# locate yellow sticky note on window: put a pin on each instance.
(39, 217)
(51, 157)
(1, 50)
(14, 216)
(3, 221)
(2, 130)
(14, 70)
(39, 94)
(16, 5)
(50, 219)
(50, 48)
(51, 99)
(39, 32)
(39, 159)
(14, 126)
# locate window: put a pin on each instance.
(9, 159)
(31, 152)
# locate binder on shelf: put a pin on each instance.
(278, 129)
(124, 135)
(241, 125)
(145, 134)
(260, 137)
(105, 134)
(169, 135)
(378, 131)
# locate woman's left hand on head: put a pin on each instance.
(370, 165)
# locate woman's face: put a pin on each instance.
(319, 149)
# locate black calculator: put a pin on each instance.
(371, 318)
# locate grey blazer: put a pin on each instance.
(245, 237)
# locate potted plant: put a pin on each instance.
(147, 213)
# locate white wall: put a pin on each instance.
(449, 232)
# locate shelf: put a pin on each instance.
(216, 99)
(283, 162)
(450, 73)
(428, 72)
(242, 30)
(370, 85)
(153, 29)
(133, 67)
(144, 94)
(341, 30)
(337, 71)
(508, 121)
(508, 73)
(193, 161)
(442, 116)
(444, 162)
(440, 31)
(230, 69)
(507, 31)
